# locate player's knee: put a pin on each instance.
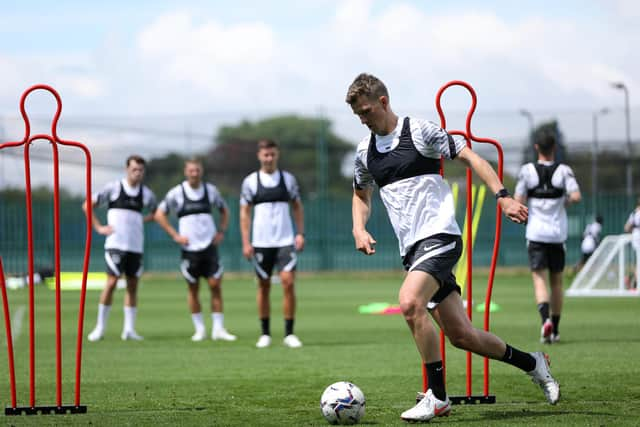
(460, 337)
(409, 307)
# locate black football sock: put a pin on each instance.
(519, 359)
(264, 323)
(288, 327)
(543, 309)
(556, 323)
(435, 376)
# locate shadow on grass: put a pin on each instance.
(523, 414)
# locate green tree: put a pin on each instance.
(308, 149)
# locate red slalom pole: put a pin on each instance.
(469, 137)
(54, 140)
(7, 327)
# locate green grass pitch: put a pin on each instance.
(168, 380)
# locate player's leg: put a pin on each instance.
(461, 333)
(556, 268)
(189, 270)
(132, 268)
(286, 263)
(415, 293)
(263, 262)
(539, 264)
(113, 260)
(218, 331)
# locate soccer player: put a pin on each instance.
(192, 201)
(402, 156)
(273, 243)
(125, 201)
(547, 186)
(590, 241)
(633, 226)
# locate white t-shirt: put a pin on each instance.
(590, 237)
(127, 224)
(199, 228)
(418, 206)
(634, 220)
(547, 217)
(272, 226)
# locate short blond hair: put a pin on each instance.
(366, 85)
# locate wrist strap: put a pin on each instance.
(502, 193)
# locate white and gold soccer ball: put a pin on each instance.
(342, 403)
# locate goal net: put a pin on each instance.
(610, 271)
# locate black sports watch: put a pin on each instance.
(502, 193)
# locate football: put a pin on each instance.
(342, 403)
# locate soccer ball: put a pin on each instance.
(342, 403)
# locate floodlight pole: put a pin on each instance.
(527, 114)
(594, 160)
(629, 162)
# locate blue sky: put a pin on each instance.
(242, 59)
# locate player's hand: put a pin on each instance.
(247, 251)
(299, 242)
(181, 240)
(218, 238)
(105, 230)
(514, 210)
(364, 242)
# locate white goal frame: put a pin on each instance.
(605, 273)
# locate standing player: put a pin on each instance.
(192, 201)
(269, 192)
(547, 186)
(125, 201)
(590, 241)
(633, 226)
(402, 156)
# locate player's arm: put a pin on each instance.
(360, 210)
(513, 209)
(628, 226)
(161, 218)
(224, 224)
(297, 210)
(104, 230)
(245, 225)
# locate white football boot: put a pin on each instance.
(546, 331)
(292, 341)
(199, 335)
(95, 335)
(264, 341)
(541, 375)
(222, 334)
(130, 336)
(428, 408)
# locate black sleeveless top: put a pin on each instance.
(124, 201)
(192, 207)
(402, 162)
(279, 193)
(544, 189)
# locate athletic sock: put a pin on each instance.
(198, 323)
(435, 378)
(519, 359)
(556, 323)
(103, 316)
(543, 309)
(288, 327)
(264, 324)
(218, 321)
(130, 318)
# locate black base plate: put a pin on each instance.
(45, 410)
(472, 400)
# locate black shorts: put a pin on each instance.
(436, 255)
(123, 262)
(202, 263)
(544, 256)
(283, 258)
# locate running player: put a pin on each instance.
(402, 157)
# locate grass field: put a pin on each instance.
(168, 380)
